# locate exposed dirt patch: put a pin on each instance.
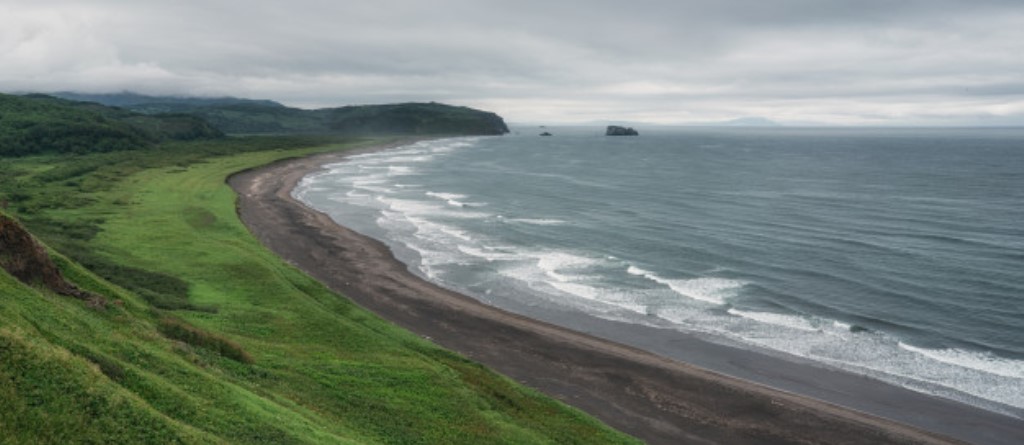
(27, 260)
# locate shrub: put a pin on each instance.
(179, 330)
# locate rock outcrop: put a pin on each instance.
(25, 259)
(615, 130)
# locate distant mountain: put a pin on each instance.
(247, 116)
(752, 121)
(36, 123)
(749, 121)
(160, 104)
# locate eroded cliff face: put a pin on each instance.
(27, 260)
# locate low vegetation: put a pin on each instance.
(179, 330)
(209, 337)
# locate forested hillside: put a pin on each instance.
(37, 124)
(246, 116)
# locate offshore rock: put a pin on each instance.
(615, 130)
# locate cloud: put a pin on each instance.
(859, 62)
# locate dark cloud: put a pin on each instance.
(862, 61)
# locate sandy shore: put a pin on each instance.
(656, 399)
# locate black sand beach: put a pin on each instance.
(657, 399)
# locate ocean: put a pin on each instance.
(893, 253)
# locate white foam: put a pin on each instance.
(788, 321)
(568, 278)
(414, 157)
(537, 221)
(355, 158)
(452, 199)
(429, 209)
(446, 196)
(588, 292)
(981, 361)
(374, 189)
(449, 145)
(842, 326)
(605, 298)
(430, 230)
(970, 377)
(552, 263)
(707, 289)
(490, 254)
(633, 270)
(400, 170)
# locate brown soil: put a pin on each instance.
(27, 260)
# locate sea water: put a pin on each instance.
(893, 253)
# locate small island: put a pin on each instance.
(615, 130)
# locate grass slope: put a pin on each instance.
(161, 225)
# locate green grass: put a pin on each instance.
(213, 338)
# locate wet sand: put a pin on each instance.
(652, 397)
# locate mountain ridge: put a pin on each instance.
(252, 116)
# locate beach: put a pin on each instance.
(656, 399)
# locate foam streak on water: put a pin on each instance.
(889, 253)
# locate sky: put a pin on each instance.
(858, 62)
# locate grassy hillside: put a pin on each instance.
(244, 116)
(207, 337)
(42, 124)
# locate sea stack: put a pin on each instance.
(615, 130)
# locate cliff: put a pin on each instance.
(414, 119)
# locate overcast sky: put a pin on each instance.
(902, 62)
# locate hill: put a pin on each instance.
(750, 121)
(413, 119)
(136, 308)
(38, 124)
(159, 104)
(245, 116)
(154, 316)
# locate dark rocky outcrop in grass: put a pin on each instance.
(27, 260)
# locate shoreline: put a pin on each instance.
(654, 398)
